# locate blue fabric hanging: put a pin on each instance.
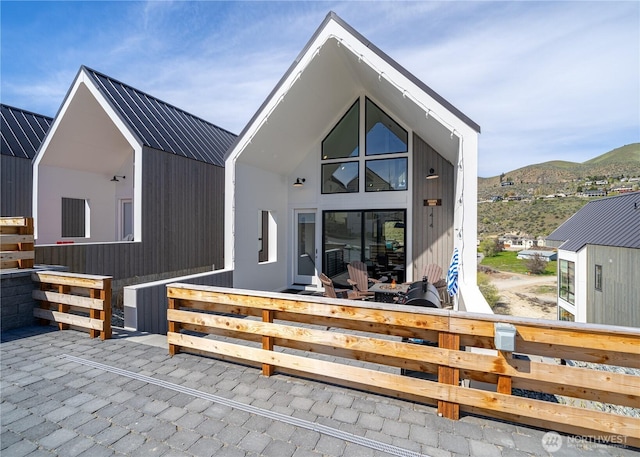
(452, 274)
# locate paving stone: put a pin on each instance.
(484, 449)
(172, 413)
(25, 423)
(129, 444)
(328, 445)
(453, 443)
(110, 435)
(347, 415)
(231, 435)
(370, 421)
(306, 439)
(301, 403)
(183, 439)
(467, 430)
(190, 421)
(8, 417)
(94, 405)
(154, 449)
(280, 431)
(436, 452)
(279, 449)
(19, 449)
(144, 424)
(111, 410)
(41, 430)
(396, 429)
(76, 419)
(210, 427)
(7, 438)
(498, 437)
(321, 408)
(76, 446)
(423, 435)
(237, 417)
(388, 411)
(532, 444)
(57, 438)
(93, 427)
(255, 442)
(61, 413)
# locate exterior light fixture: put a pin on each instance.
(115, 178)
(299, 182)
(432, 174)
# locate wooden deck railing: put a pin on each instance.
(279, 325)
(16, 237)
(78, 300)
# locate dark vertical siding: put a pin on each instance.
(16, 187)
(182, 224)
(618, 302)
(432, 237)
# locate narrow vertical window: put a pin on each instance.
(263, 236)
(598, 278)
(73, 217)
(566, 281)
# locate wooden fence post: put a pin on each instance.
(26, 229)
(267, 342)
(174, 327)
(105, 314)
(63, 308)
(448, 375)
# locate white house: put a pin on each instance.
(598, 262)
(351, 157)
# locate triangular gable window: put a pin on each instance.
(343, 141)
(383, 134)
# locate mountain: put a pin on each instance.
(539, 217)
(559, 176)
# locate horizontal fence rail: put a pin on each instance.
(73, 299)
(16, 238)
(294, 334)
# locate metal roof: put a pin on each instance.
(22, 131)
(162, 126)
(613, 221)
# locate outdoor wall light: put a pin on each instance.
(115, 178)
(299, 182)
(504, 337)
(432, 174)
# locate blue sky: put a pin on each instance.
(545, 80)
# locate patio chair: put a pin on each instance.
(331, 292)
(359, 278)
(433, 273)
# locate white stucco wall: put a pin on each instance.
(56, 183)
(260, 191)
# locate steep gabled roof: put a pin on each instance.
(162, 126)
(613, 221)
(22, 131)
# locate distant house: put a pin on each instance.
(22, 133)
(598, 262)
(513, 242)
(543, 254)
(595, 193)
(127, 185)
(351, 157)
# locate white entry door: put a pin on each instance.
(305, 247)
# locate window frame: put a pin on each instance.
(406, 171)
(567, 279)
(367, 100)
(598, 278)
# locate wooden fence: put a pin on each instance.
(16, 237)
(373, 343)
(77, 300)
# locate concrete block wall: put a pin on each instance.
(16, 304)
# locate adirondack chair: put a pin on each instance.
(359, 278)
(331, 292)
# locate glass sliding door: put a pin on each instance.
(374, 237)
(305, 242)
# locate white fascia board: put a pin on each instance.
(229, 213)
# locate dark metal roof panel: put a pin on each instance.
(22, 131)
(162, 126)
(613, 221)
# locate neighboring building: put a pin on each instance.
(127, 185)
(598, 262)
(513, 242)
(595, 193)
(332, 168)
(547, 256)
(22, 133)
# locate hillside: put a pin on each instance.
(561, 176)
(538, 217)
